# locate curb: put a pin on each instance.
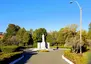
(13, 62)
(67, 60)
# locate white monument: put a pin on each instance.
(43, 44)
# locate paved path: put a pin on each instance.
(53, 57)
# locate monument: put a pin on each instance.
(43, 44)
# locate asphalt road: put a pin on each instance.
(53, 57)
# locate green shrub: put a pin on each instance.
(75, 58)
(8, 49)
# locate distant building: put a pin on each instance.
(1, 35)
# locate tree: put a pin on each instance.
(26, 38)
(69, 33)
(11, 30)
(89, 31)
(14, 41)
(49, 38)
(72, 27)
(31, 31)
(20, 35)
(52, 37)
(37, 35)
(76, 42)
(61, 38)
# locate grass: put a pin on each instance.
(61, 47)
(6, 58)
(8, 49)
(13, 48)
(76, 58)
(11, 53)
(87, 55)
(43, 51)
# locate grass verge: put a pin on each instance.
(76, 58)
(61, 47)
(9, 57)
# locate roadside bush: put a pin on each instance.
(8, 49)
(75, 58)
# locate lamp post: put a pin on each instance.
(80, 22)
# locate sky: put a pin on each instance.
(49, 14)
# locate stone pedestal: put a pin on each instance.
(39, 45)
(48, 44)
(43, 45)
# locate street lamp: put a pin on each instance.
(80, 22)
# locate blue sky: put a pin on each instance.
(49, 14)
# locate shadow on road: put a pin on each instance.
(27, 56)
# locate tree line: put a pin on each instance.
(67, 36)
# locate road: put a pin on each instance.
(53, 57)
